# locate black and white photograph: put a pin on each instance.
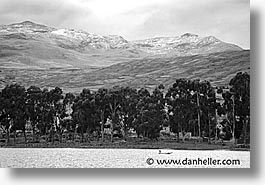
(125, 84)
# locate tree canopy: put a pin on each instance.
(186, 106)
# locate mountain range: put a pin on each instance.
(35, 54)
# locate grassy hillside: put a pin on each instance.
(218, 68)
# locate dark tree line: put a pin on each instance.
(187, 106)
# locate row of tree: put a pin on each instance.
(187, 106)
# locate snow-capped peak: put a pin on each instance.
(185, 44)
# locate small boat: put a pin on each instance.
(164, 152)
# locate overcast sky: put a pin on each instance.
(228, 20)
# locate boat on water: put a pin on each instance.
(160, 152)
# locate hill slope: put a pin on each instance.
(149, 72)
(218, 68)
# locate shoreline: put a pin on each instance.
(187, 145)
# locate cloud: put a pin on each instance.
(137, 19)
(228, 21)
(50, 12)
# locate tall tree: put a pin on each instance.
(128, 108)
(114, 98)
(12, 109)
(178, 98)
(33, 103)
(240, 88)
(202, 96)
(140, 124)
(101, 106)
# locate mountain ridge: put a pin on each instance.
(35, 54)
(80, 40)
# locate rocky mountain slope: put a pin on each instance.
(184, 45)
(31, 45)
(32, 53)
(28, 42)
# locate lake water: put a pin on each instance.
(116, 158)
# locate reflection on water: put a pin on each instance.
(107, 158)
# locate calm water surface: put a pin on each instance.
(110, 158)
